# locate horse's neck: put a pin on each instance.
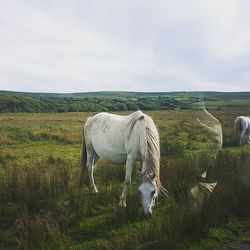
(145, 169)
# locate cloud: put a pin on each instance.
(73, 46)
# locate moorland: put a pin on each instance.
(42, 206)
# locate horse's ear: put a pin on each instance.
(138, 174)
(204, 175)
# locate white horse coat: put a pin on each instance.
(242, 129)
(124, 139)
(112, 137)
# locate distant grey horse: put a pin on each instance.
(242, 129)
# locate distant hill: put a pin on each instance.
(118, 101)
(127, 94)
(87, 102)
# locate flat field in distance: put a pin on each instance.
(42, 206)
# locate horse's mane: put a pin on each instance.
(134, 117)
(152, 161)
(152, 157)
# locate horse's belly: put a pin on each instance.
(108, 150)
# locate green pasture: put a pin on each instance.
(42, 207)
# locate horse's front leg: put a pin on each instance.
(129, 166)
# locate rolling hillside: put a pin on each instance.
(111, 101)
(127, 94)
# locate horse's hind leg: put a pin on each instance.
(243, 131)
(242, 135)
(248, 138)
(96, 158)
(91, 161)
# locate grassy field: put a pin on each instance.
(42, 206)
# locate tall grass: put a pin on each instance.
(42, 206)
(39, 231)
(46, 203)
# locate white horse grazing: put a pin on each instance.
(121, 139)
(242, 128)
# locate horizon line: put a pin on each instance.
(125, 91)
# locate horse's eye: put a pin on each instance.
(152, 193)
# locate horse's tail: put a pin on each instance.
(83, 166)
(237, 127)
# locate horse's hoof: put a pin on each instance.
(94, 191)
(122, 204)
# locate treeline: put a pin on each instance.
(10, 103)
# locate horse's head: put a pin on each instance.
(201, 192)
(148, 192)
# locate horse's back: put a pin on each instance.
(109, 134)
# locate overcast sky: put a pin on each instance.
(78, 45)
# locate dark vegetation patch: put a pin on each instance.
(10, 103)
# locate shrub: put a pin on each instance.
(172, 148)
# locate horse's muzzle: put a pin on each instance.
(148, 211)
